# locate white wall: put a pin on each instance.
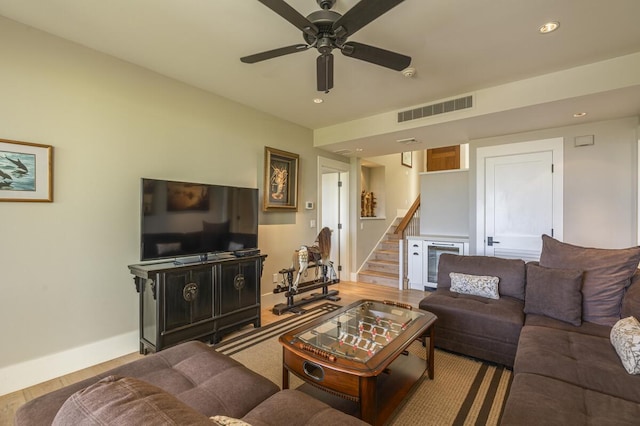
(65, 286)
(600, 181)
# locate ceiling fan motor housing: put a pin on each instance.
(326, 38)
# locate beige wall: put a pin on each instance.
(65, 283)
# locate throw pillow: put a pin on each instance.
(119, 401)
(606, 274)
(228, 421)
(554, 293)
(477, 285)
(625, 338)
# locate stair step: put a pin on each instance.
(386, 255)
(382, 278)
(388, 245)
(389, 266)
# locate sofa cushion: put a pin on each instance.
(625, 338)
(292, 407)
(580, 359)
(606, 274)
(477, 285)
(125, 401)
(537, 400)
(585, 327)
(511, 272)
(554, 293)
(631, 298)
(205, 380)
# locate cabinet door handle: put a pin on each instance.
(190, 292)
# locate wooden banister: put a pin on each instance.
(407, 218)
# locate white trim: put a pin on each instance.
(555, 145)
(34, 371)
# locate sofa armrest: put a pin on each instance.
(631, 298)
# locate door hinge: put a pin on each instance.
(339, 268)
(551, 167)
(552, 232)
(339, 226)
(339, 184)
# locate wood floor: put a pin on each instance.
(349, 292)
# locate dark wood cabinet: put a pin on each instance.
(204, 300)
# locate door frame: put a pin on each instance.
(333, 166)
(555, 145)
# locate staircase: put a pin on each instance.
(383, 266)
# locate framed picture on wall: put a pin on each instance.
(280, 180)
(26, 171)
(407, 158)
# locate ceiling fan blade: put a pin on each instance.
(375, 55)
(262, 56)
(361, 14)
(325, 72)
(290, 14)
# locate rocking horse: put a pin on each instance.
(316, 255)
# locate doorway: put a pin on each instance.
(333, 209)
(518, 198)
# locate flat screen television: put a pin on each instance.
(185, 219)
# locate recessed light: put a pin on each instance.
(549, 27)
(359, 149)
(579, 114)
(318, 101)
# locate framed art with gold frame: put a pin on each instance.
(280, 180)
(26, 171)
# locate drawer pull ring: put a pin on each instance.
(313, 370)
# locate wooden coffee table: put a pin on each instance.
(358, 352)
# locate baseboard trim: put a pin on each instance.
(32, 372)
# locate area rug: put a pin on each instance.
(465, 391)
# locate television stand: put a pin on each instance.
(199, 300)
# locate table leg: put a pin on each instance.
(285, 377)
(368, 406)
(430, 354)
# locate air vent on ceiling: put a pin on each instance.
(344, 152)
(435, 109)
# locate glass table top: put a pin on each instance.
(361, 331)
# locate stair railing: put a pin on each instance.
(408, 226)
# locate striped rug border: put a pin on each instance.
(259, 335)
(487, 372)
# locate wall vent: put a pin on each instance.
(435, 109)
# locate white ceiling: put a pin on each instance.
(457, 46)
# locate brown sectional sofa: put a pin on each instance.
(564, 374)
(185, 384)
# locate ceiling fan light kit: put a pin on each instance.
(326, 30)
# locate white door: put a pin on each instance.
(333, 212)
(521, 202)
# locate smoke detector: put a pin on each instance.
(409, 72)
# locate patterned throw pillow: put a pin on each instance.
(625, 338)
(477, 285)
(228, 421)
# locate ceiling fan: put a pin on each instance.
(326, 30)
